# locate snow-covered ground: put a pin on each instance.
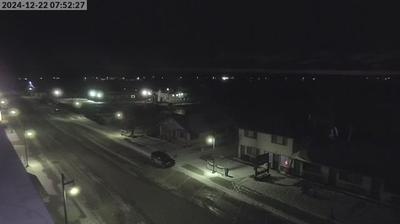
(326, 205)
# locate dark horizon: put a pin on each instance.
(126, 36)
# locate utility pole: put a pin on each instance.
(63, 184)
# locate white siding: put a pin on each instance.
(263, 142)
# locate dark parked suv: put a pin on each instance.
(162, 159)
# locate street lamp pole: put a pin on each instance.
(63, 184)
(211, 141)
(14, 113)
(213, 145)
(27, 134)
(26, 151)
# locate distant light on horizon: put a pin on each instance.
(92, 93)
(77, 104)
(57, 92)
(99, 94)
(225, 78)
(119, 115)
(146, 92)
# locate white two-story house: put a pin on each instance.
(284, 156)
(279, 149)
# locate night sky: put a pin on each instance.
(119, 36)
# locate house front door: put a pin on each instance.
(242, 152)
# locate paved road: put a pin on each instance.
(116, 192)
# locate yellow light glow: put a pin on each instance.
(210, 140)
(92, 93)
(30, 133)
(74, 191)
(77, 104)
(57, 92)
(119, 115)
(14, 112)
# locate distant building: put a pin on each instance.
(184, 128)
(193, 128)
(169, 97)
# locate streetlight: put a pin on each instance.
(77, 104)
(211, 141)
(73, 192)
(99, 95)
(3, 102)
(57, 92)
(92, 93)
(119, 115)
(13, 112)
(29, 134)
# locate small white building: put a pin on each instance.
(167, 97)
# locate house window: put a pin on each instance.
(250, 134)
(278, 140)
(252, 151)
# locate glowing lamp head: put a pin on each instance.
(77, 104)
(14, 112)
(99, 95)
(146, 92)
(92, 93)
(30, 134)
(74, 191)
(57, 92)
(210, 140)
(119, 115)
